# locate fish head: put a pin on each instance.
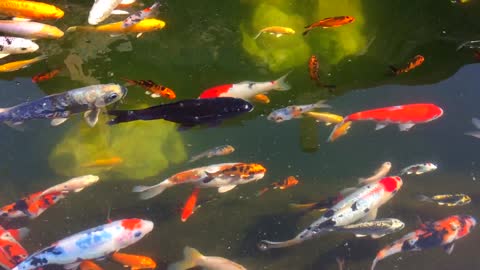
(134, 229)
(277, 116)
(56, 13)
(430, 166)
(52, 31)
(387, 164)
(22, 45)
(349, 19)
(391, 184)
(397, 225)
(229, 149)
(254, 171)
(106, 94)
(88, 179)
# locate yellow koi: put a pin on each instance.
(147, 25)
(278, 31)
(13, 66)
(328, 118)
(30, 10)
(262, 98)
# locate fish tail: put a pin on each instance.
(264, 245)
(281, 84)
(423, 198)
(122, 116)
(191, 257)
(156, 5)
(148, 192)
(374, 263)
(306, 31)
(321, 104)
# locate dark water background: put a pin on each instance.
(207, 43)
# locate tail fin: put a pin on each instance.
(196, 157)
(19, 234)
(122, 116)
(321, 104)
(191, 256)
(393, 69)
(423, 198)
(71, 29)
(307, 29)
(374, 263)
(259, 33)
(152, 191)
(281, 85)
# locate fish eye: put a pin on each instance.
(23, 49)
(113, 96)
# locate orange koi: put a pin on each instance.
(414, 63)
(340, 131)
(45, 76)
(329, 22)
(190, 205)
(313, 67)
(135, 262)
(154, 90)
(30, 9)
(89, 265)
(289, 182)
(262, 98)
(104, 162)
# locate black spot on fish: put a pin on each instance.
(407, 246)
(53, 250)
(34, 261)
(1, 47)
(250, 85)
(8, 249)
(9, 41)
(366, 210)
(21, 205)
(329, 213)
(354, 206)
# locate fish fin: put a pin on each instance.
(139, 35)
(58, 121)
(423, 198)
(71, 266)
(449, 248)
(405, 127)
(92, 116)
(380, 126)
(376, 236)
(476, 122)
(190, 259)
(71, 29)
(3, 55)
(208, 178)
(122, 116)
(475, 134)
(321, 104)
(348, 190)
(306, 31)
(147, 192)
(120, 12)
(19, 234)
(19, 19)
(372, 215)
(337, 126)
(15, 125)
(360, 235)
(374, 263)
(153, 95)
(278, 35)
(280, 84)
(259, 33)
(226, 188)
(78, 190)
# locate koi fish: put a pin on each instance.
(59, 107)
(147, 25)
(246, 90)
(16, 65)
(11, 251)
(135, 262)
(76, 184)
(328, 118)
(104, 162)
(188, 113)
(30, 29)
(193, 258)
(377, 175)
(14, 45)
(217, 151)
(339, 131)
(414, 63)
(295, 111)
(376, 228)
(446, 199)
(44, 76)
(329, 22)
(140, 15)
(277, 31)
(101, 10)
(419, 169)
(31, 206)
(190, 205)
(224, 176)
(91, 244)
(476, 133)
(443, 233)
(89, 265)
(313, 67)
(471, 44)
(262, 98)
(405, 116)
(154, 90)
(361, 205)
(287, 183)
(30, 10)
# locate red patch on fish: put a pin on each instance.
(410, 113)
(190, 205)
(390, 184)
(216, 91)
(131, 224)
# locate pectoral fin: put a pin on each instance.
(78, 190)
(58, 121)
(380, 126)
(226, 188)
(449, 248)
(405, 127)
(3, 55)
(92, 117)
(278, 35)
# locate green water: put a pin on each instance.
(208, 43)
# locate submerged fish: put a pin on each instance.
(141, 15)
(135, 262)
(101, 10)
(224, 176)
(313, 67)
(414, 63)
(361, 205)
(193, 258)
(339, 130)
(328, 118)
(16, 65)
(108, 162)
(446, 199)
(190, 205)
(405, 116)
(375, 228)
(11, 251)
(443, 233)
(154, 90)
(262, 98)
(277, 31)
(14, 45)
(295, 111)
(76, 184)
(91, 244)
(60, 106)
(30, 29)
(476, 133)
(44, 76)
(217, 151)
(30, 10)
(419, 169)
(329, 22)
(246, 90)
(31, 206)
(471, 44)
(188, 113)
(287, 183)
(377, 175)
(89, 265)
(147, 25)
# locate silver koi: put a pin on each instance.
(375, 228)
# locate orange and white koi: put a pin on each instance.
(76, 184)
(30, 10)
(295, 111)
(154, 90)
(190, 205)
(217, 151)
(287, 183)
(44, 76)
(329, 22)
(277, 31)
(414, 63)
(135, 262)
(31, 206)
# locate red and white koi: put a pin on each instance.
(11, 252)
(295, 111)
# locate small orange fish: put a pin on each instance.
(313, 67)
(89, 265)
(190, 205)
(262, 98)
(289, 182)
(45, 76)
(414, 63)
(135, 262)
(329, 22)
(340, 131)
(104, 162)
(153, 89)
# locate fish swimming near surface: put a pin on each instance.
(144, 26)
(476, 133)
(30, 29)
(11, 251)
(405, 116)
(31, 206)
(101, 10)
(154, 90)
(215, 152)
(378, 174)
(188, 113)
(30, 10)
(294, 111)
(419, 168)
(193, 258)
(329, 23)
(327, 118)
(59, 107)
(277, 31)
(224, 176)
(339, 131)
(135, 262)
(190, 205)
(141, 15)
(91, 244)
(262, 98)
(360, 206)
(16, 65)
(246, 90)
(89, 265)
(446, 199)
(14, 45)
(443, 233)
(414, 63)
(374, 228)
(76, 184)
(44, 76)
(107, 162)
